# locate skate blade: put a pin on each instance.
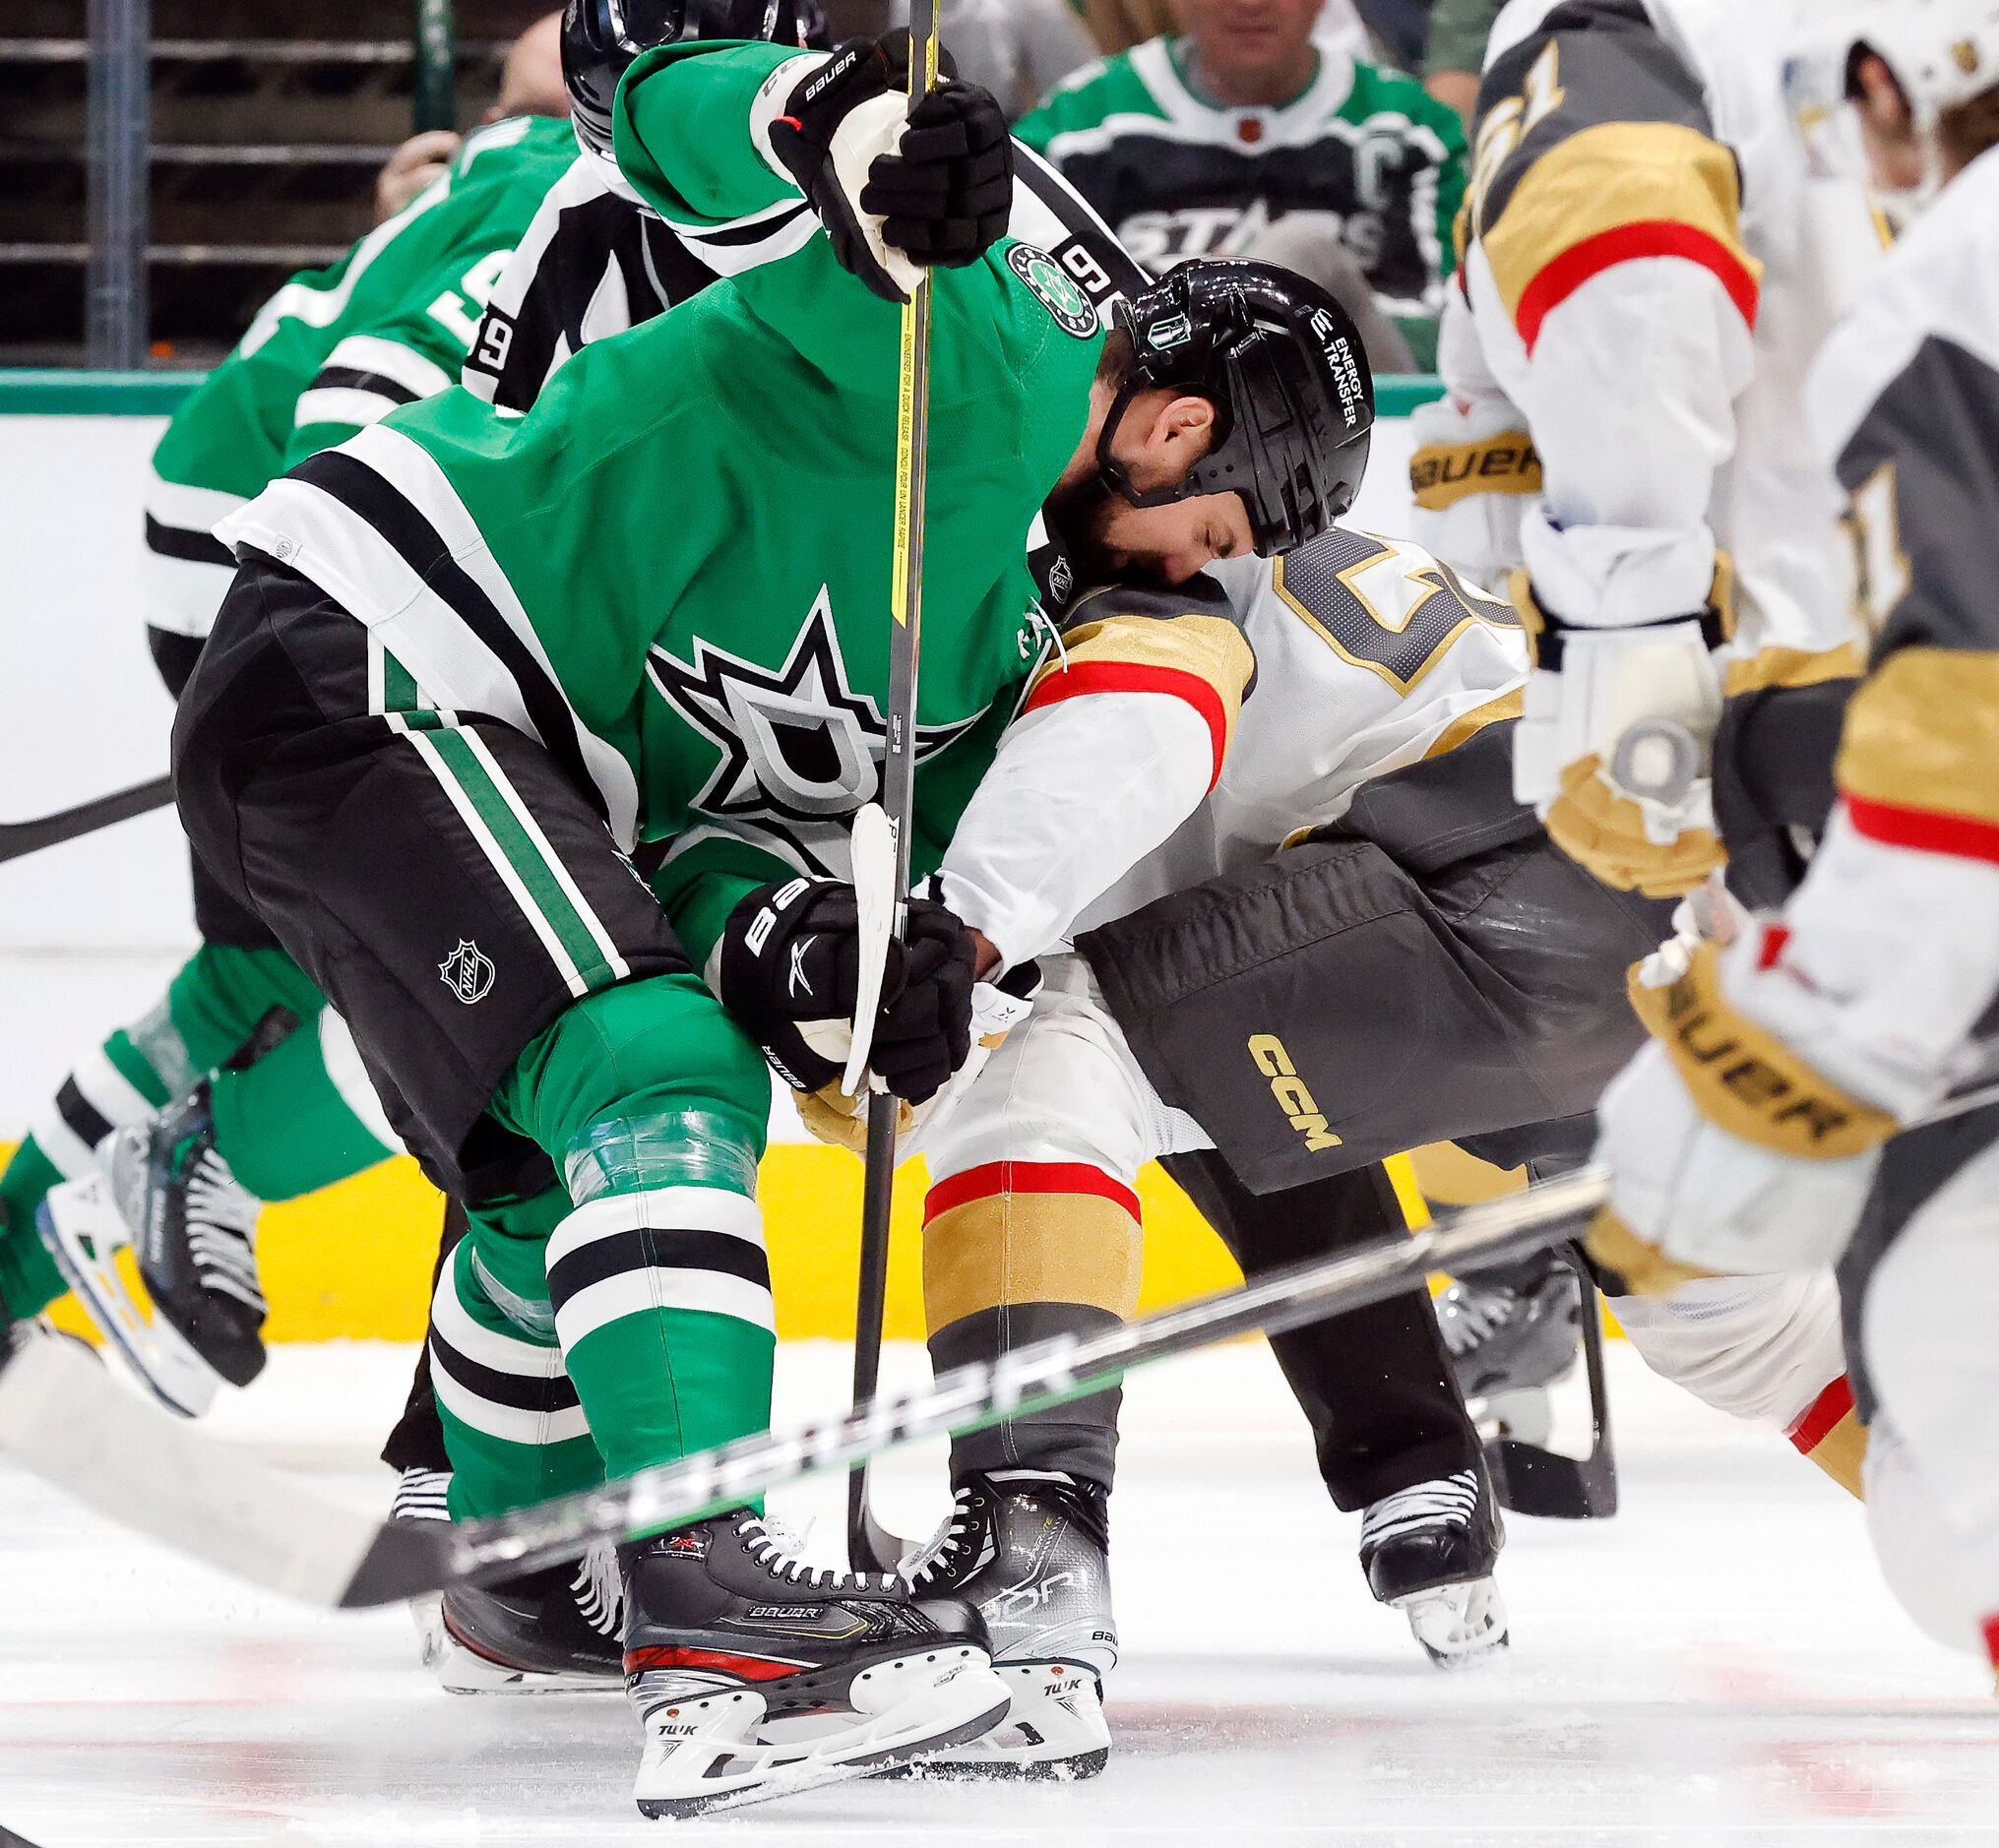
(84, 1233)
(462, 1672)
(712, 1760)
(1457, 1626)
(1054, 1731)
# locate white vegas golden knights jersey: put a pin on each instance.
(1369, 656)
(1650, 265)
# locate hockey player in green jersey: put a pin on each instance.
(332, 351)
(471, 663)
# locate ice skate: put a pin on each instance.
(420, 1494)
(552, 1631)
(1512, 1335)
(166, 1191)
(1029, 1548)
(755, 1675)
(1429, 1550)
(194, 1229)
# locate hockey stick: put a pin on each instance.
(51, 830)
(1527, 1478)
(63, 1417)
(870, 1546)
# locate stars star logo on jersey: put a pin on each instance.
(798, 742)
(1049, 287)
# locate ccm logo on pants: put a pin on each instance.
(1293, 1099)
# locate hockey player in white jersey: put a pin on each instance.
(1650, 263)
(1764, 1128)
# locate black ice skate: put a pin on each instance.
(756, 1675)
(1512, 1335)
(193, 1230)
(1030, 1548)
(1430, 1552)
(164, 1189)
(556, 1630)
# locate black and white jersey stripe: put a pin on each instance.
(596, 261)
(188, 569)
(364, 378)
(378, 527)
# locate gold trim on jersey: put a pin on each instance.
(1603, 178)
(1211, 649)
(1031, 1247)
(1466, 726)
(1792, 668)
(1924, 733)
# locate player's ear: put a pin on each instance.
(1187, 424)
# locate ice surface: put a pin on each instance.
(1716, 1665)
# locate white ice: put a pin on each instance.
(1718, 1664)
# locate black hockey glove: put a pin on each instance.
(790, 974)
(945, 195)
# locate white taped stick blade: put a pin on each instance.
(63, 1417)
(873, 851)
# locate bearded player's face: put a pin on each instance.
(1117, 543)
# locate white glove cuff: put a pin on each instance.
(870, 130)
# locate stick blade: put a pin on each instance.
(63, 1417)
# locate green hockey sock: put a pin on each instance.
(513, 1428)
(288, 1125)
(29, 1278)
(213, 1006)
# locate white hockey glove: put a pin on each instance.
(1730, 1147)
(1614, 746)
(997, 1007)
(1473, 470)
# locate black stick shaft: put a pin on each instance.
(867, 1542)
(51, 830)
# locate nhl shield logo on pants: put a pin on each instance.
(467, 973)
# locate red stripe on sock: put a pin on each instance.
(1992, 1638)
(1027, 1177)
(1821, 1415)
(671, 1655)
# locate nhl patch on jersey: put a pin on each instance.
(467, 973)
(1050, 285)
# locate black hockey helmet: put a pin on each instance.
(601, 37)
(1284, 366)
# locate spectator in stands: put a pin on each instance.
(1458, 29)
(1197, 146)
(531, 83)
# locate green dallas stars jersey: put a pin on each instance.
(1364, 151)
(337, 349)
(674, 571)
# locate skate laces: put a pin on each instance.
(420, 1494)
(1443, 1502)
(222, 1231)
(945, 1543)
(600, 1590)
(774, 1548)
